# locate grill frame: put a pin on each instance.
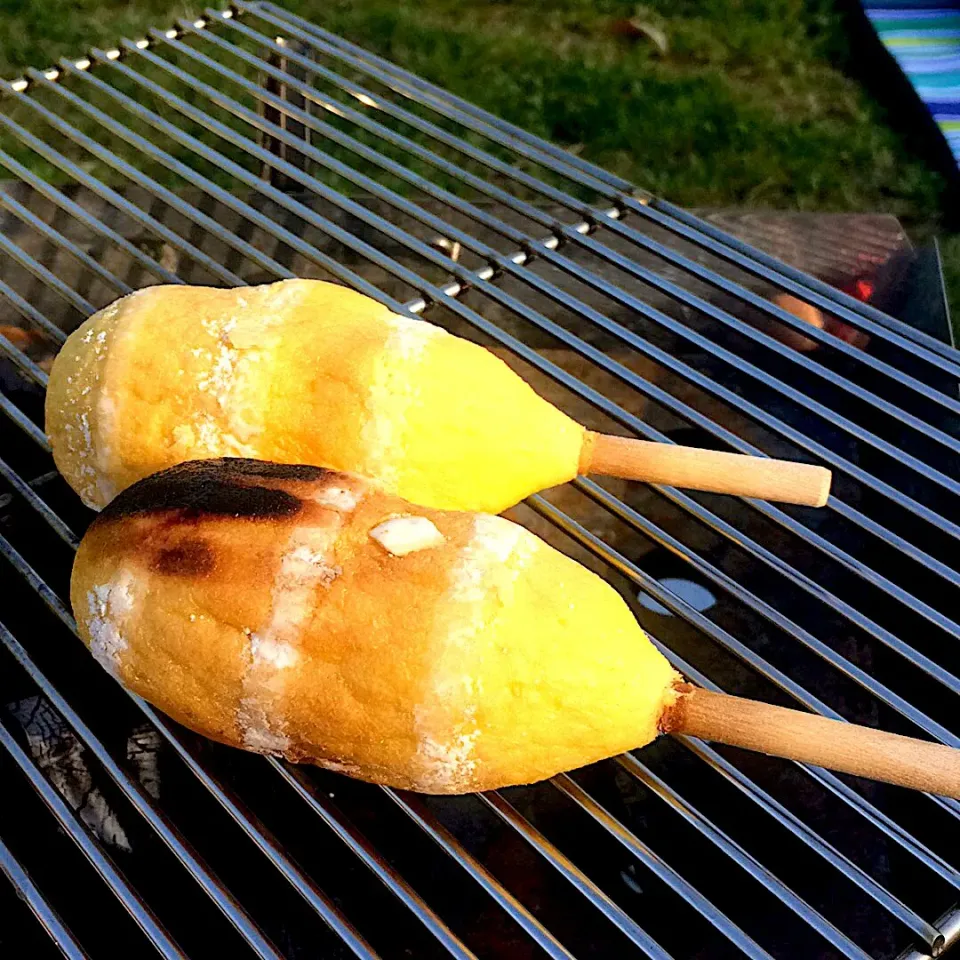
(608, 220)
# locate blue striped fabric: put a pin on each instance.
(924, 39)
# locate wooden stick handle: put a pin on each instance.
(709, 470)
(846, 747)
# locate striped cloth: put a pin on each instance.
(924, 39)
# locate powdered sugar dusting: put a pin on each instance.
(274, 649)
(337, 498)
(481, 588)
(84, 402)
(392, 391)
(109, 605)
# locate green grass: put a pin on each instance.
(752, 104)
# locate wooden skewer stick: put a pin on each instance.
(796, 735)
(710, 470)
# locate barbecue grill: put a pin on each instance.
(249, 145)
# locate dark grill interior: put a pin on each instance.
(250, 145)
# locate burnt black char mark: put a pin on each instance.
(190, 558)
(212, 488)
(275, 471)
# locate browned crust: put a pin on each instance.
(672, 718)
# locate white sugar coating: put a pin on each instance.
(481, 590)
(274, 649)
(393, 388)
(337, 766)
(109, 605)
(450, 762)
(337, 498)
(407, 534)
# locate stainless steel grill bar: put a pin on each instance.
(721, 283)
(37, 504)
(681, 608)
(925, 663)
(255, 831)
(24, 422)
(750, 546)
(573, 875)
(886, 696)
(22, 213)
(749, 863)
(469, 108)
(587, 235)
(935, 565)
(397, 270)
(91, 223)
(890, 828)
(372, 100)
(560, 164)
(511, 264)
(132, 902)
(745, 860)
(659, 867)
(378, 865)
(80, 304)
(950, 924)
(135, 794)
(33, 316)
(732, 587)
(432, 255)
(22, 360)
(850, 870)
(418, 813)
(825, 290)
(108, 194)
(207, 186)
(46, 916)
(543, 246)
(442, 837)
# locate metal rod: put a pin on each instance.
(107, 193)
(797, 276)
(609, 219)
(188, 858)
(704, 752)
(855, 801)
(377, 864)
(24, 490)
(746, 861)
(254, 830)
(46, 916)
(415, 809)
(401, 272)
(509, 263)
(132, 902)
(24, 422)
(20, 358)
(659, 867)
(49, 279)
(91, 223)
(534, 150)
(45, 230)
(574, 875)
(716, 576)
(680, 607)
(465, 105)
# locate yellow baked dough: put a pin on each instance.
(304, 613)
(299, 371)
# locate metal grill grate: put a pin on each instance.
(250, 145)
